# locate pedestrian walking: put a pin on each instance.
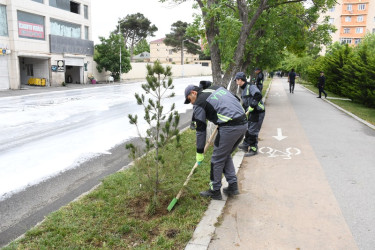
(222, 108)
(259, 78)
(321, 85)
(291, 79)
(254, 107)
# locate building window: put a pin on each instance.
(86, 32)
(349, 7)
(66, 5)
(332, 9)
(359, 30)
(331, 20)
(346, 30)
(29, 69)
(61, 28)
(357, 40)
(359, 19)
(30, 26)
(170, 52)
(345, 40)
(3, 21)
(86, 11)
(348, 19)
(361, 6)
(39, 1)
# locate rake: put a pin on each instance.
(174, 201)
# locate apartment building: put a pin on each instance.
(164, 54)
(45, 39)
(353, 20)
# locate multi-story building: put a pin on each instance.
(353, 20)
(45, 39)
(164, 54)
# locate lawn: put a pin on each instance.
(116, 214)
(365, 113)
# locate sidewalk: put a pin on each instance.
(285, 200)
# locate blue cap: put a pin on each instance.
(188, 90)
(240, 75)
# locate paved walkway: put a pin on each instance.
(295, 192)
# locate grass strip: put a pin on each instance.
(113, 216)
(365, 113)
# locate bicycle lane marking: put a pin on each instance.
(284, 203)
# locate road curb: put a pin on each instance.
(205, 229)
(343, 110)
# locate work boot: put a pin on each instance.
(232, 189)
(215, 195)
(244, 148)
(250, 153)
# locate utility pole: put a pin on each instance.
(119, 31)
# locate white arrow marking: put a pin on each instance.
(279, 136)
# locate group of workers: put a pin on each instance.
(236, 123)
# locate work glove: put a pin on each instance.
(261, 106)
(200, 158)
(250, 109)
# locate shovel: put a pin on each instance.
(174, 201)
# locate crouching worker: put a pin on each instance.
(222, 108)
(254, 107)
(203, 85)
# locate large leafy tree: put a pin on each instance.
(107, 55)
(243, 33)
(142, 46)
(134, 28)
(179, 37)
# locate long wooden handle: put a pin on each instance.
(196, 163)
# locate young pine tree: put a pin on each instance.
(162, 127)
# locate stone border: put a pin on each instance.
(343, 110)
(205, 229)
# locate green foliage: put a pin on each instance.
(163, 126)
(179, 34)
(142, 46)
(349, 71)
(107, 56)
(135, 28)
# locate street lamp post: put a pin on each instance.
(120, 47)
(182, 56)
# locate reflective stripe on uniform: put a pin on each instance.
(223, 118)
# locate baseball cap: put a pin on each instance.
(188, 90)
(240, 75)
(256, 69)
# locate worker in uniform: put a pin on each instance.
(202, 84)
(259, 78)
(254, 107)
(221, 107)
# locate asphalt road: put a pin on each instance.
(25, 209)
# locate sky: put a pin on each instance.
(105, 15)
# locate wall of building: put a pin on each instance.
(164, 54)
(139, 71)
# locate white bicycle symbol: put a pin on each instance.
(278, 153)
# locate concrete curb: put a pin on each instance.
(343, 110)
(205, 229)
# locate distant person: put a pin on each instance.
(259, 78)
(321, 85)
(291, 79)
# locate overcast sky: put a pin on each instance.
(105, 15)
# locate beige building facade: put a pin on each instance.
(164, 54)
(45, 39)
(353, 20)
